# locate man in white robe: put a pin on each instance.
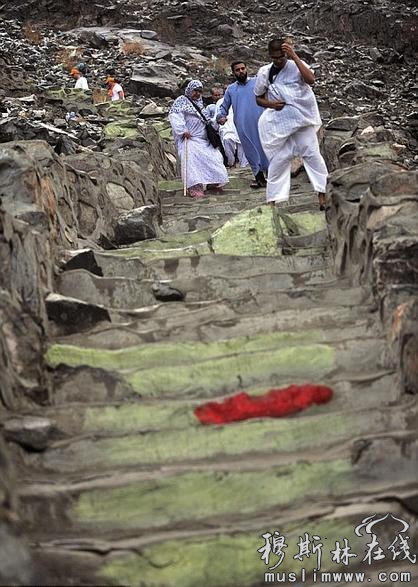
(289, 122)
(230, 138)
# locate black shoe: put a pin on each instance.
(261, 179)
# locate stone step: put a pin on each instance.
(90, 385)
(235, 266)
(163, 247)
(236, 181)
(290, 439)
(163, 266)
(227, 555)
(137, 503)
(249, 230)
(174, 201)
(206, 376)
(153, 259)
(219, 322)
(334, 296)
(119, 292)
(66, 311)
(255, 232)
(106, 264)
(129, 293)
(223, 366)
(121, 415)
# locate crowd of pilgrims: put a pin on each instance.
(263, 121)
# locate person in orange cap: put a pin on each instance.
(115, 90)
(81, 83)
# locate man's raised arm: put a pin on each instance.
(307, 75)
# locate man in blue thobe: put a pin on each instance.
(240, 95)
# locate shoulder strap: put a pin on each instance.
(198, 109)
(273, 71)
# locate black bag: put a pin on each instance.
(213, 135)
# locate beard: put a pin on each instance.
(241, 77)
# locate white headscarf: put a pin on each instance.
(183, 104)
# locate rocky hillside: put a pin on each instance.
(363, 53)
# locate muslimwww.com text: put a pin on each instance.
(336, 577)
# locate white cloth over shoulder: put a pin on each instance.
(291, 131)
(301, 108)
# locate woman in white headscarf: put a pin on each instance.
(204, 162)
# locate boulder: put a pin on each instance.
(154, 80)
(163, 292)
(359, 89)
(30, 432)
(137, 225)
(71, 315)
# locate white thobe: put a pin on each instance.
(202, 163)
(230, 138)
(291, 131)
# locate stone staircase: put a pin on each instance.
(126, 487)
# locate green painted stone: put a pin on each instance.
(379, 151)
(202, 443)
(300, 223)
(208, 494)
(123, 128)
(232, 560)
(173, 245)
(166, 133)
(148, 356)
(148, 255)
(225, 374)
(170, 185)
(65, 93)
(137, 418)
(116, 108)
(168, 369)
(256, 231)
(249, 233)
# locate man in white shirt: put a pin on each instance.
(289, 122)
(81, 83)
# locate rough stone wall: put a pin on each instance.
(373, 206)
(49, 204)
(16, 566)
